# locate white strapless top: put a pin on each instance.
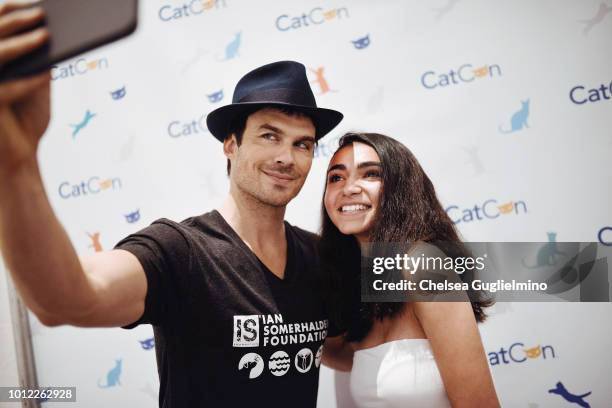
(400, 373)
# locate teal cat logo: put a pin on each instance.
(81, 125)
(231, 49)
(547, 255)
(519, 119)
(112, 377)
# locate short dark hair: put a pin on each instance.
(238, 123)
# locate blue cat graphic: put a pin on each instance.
(569, 397)
(133, 216)
(79, 126)
(147, 344)
(231, 50)
(215, 96)
(112, 378)
(362, 42)
(519, 119)
(546, 255)
(118, 94)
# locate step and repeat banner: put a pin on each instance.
(506, 104)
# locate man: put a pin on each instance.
(232, 294)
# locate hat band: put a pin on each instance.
(281, 95)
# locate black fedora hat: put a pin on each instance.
(282, 84)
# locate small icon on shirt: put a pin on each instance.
(279, 363)
(253, 363)
(303, 360)
(318, 356)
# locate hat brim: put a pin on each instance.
(218, 120)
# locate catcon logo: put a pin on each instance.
(93, 185)
(81, 66)
(605, 236)
(465, 73)
(190, 9)
(580, 95)
(488, 210)
(518, 353)
(316, 16)
(178, 128)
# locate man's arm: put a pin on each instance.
(104, 289)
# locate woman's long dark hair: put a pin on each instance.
(409, 211)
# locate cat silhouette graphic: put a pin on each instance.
(362, 42)
(112, 377)
(546, 255)
(442, 11)
(231, 49)
(569, 397)
(81, 125)
(215, 96)
(602, 12)
(95, 241)
(199, 53)
(519, 119)
(321, 81)
(147, 344)
(118, 94)
(133, 216)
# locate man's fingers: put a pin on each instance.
(19, 45)
(14, 90)
(18, 20)
(13, 5)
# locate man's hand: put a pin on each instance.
(24, 103)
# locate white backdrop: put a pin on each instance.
(448, 78)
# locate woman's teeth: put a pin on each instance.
(353, 208)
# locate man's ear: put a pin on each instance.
(229, 146)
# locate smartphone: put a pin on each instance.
(75, 27)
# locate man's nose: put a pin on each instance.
(285, 156)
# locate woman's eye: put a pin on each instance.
(372, 174)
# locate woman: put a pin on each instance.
(406, 354)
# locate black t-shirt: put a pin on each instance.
(228, 332)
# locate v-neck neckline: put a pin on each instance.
(288, 262)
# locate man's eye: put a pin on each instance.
(333, 178)
(304, 145)
(269, 136)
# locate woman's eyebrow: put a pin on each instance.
(368, 164)
(337, 167)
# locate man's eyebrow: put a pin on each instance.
(272, 128)
(305, 139)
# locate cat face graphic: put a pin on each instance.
(506, 208)
(147, 344)
(362, 42)
(119, 93)
(133, 216)
(525, 104)
(215, 96)
(533, 352)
